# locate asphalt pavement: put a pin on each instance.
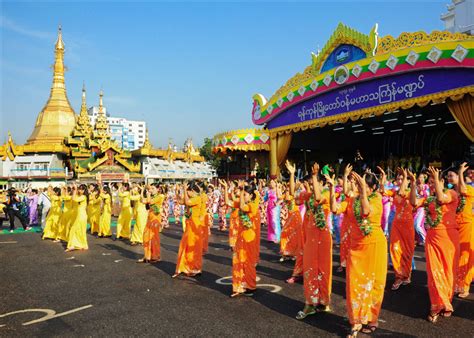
(104, 292)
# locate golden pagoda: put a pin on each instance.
(57, 119)
(83, 126)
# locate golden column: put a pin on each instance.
(273, 156)
(57, 119)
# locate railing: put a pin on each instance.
(41, 172)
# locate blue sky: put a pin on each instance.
(189, 69)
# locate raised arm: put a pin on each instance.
(332, 193)
(364, 200)
(412, 179)
(316, 187)
(345, 179)
(291, 169)
(440, 195)
(462, 183)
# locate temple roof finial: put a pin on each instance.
(59, 41)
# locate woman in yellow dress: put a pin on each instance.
(140, 213)
(125, 217)
(67, 215)
(94, 206)
(77, 234)
(106, 212)
(52, 220)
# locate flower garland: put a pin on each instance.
(155, 209)
(245, 218)
(364, 224)
(461, 204)
(318, 213)
(429, 220)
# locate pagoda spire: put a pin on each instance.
(57, 119)
(147, 143)
(83, 126)
(101, 128)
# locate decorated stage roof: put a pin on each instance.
(357, 75)
(241, 140)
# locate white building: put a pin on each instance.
(156, 169)
(460, 17)
(130, 135)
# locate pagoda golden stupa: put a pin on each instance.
(68, 146)
(57, 119)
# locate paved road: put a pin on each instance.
(103, 292)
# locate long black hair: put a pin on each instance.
(57, 191)
(193, 186)
(371, 181)
(106, 188)
(251, 190)
(83, 187)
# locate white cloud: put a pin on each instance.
(11, 25)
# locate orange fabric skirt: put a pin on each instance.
(317, 266)
(345, 241)
(402, 246)
(244, 273)
(441, 250)
(466, 257)
(190, 249)
(366, 275)
(233, 227)
(292, 234)
(151, 237)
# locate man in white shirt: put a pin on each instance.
(45, 203)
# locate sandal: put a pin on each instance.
(433, 317)
(236, 294)
(354, 331)
(323, 308)
(143, 260)
(447, 314)
(293, 279)
(369, 329)
(175, 275)
(463, 295)
(397, 285)
(305, 313)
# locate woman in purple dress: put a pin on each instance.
(33, 207)
(273, 213)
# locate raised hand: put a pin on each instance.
(462, 168)
(347, 170)
(290, 167)
(329, 180)
(434, 173)
(411, 176)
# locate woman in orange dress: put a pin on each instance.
(151, 234)
(366, 269)
(442, 243)
(292, 242)
(244, 257)
(465, 219)
(317, 252)
(190, 248)
(348, 188)
(234, 204)
(402, 234)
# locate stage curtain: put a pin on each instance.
(283, 145)
(463, 112)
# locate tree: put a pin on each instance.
(206, 151)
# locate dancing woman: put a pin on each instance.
(106, 213)
(51, 228)
(151, 236)
(402, 234)
(141, 214)
(77, 235)
(67, 215)
(292, 242)
(273, 213)
(244, 257)
(317, 252)
(465, 220)
(125, 217)
(442, 243)
(189, 260)
(94, 206)
(366, 270)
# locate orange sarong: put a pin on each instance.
(290, 242)
(465, 219)
(366, 270)
(442, 255)
(233, 224)
(190, 248)
(317, 256)
(151, 237)
(402, 238)
(244, 257)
